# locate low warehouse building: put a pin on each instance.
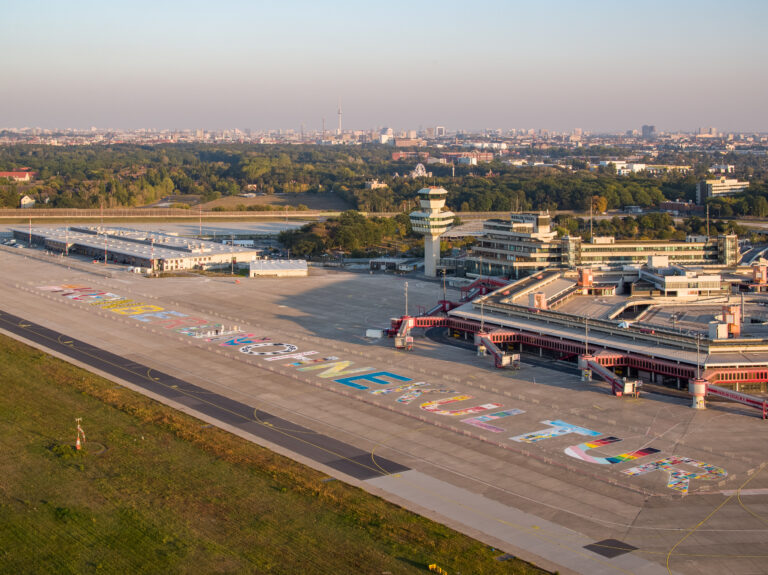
(279, 268)
(151, 250)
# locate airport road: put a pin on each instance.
(530, 499)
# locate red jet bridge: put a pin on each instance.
(738, 397)
(598, 360)
(479, 287)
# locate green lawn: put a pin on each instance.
(156, 491)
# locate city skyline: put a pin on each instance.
(558, 66)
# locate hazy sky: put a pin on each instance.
(554, 64)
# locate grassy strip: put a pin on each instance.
(156, 491)
(182, 219)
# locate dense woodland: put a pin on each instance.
(129, 175)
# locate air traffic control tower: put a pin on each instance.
(432, 222)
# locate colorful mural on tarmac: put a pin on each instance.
(332, 367)
(434, 406)
(481, 421)
(556, 429)
(680, 479)
(580, 452)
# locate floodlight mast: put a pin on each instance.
(698, 357)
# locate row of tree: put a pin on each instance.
(653, 226)
(350, 233)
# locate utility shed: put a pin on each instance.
(279, 268)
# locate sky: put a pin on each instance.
(602, 66)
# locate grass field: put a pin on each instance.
(157, 491)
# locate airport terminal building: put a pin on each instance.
(526, 243)
(150, 250)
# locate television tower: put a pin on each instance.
(338, 130)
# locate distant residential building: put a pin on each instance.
(397, 156)
(658, 169)
(19, 176)
(478, 156)
(709, 132)
(26, 202)
(681, 207)
(648, 132)
(374, 185)
(623, 168)
(720, 187)
(722, 169)
(409, 142)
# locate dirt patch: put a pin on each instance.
(327, 201)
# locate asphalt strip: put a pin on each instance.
(326, 450)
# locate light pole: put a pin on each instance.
(698, 351)
(482, 316)
(445, 296)
(406, 298)
(481, 266)
(586, 336)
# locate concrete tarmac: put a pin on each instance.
(530, 499)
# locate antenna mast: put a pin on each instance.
(707, 221)
(338, 130)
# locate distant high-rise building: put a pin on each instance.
(649, 132)
(439, 131)
(720, 187)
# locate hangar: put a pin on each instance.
(152, 250)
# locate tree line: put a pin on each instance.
(133, 175)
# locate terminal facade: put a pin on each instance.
(526, 243)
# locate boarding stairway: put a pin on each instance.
(499, 357)
(590, 362)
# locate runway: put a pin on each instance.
(320, 448)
